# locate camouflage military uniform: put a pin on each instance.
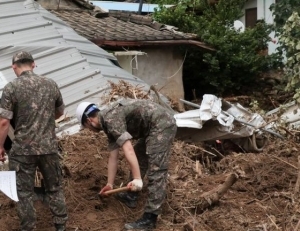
(155, 129)
(31, 101)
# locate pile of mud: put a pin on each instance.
(263, 195)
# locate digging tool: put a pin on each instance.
(117, 190)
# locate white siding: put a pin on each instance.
(263, 12)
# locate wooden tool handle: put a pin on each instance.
(116, 190)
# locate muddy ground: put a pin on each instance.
(264, 195)
(262, 198)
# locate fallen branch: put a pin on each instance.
(285, 162)
(210, 198)
(203, 150)
(237, 98)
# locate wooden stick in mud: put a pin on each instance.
(210, 198)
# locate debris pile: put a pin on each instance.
(260, 194)
(123, 89)
(211, 187)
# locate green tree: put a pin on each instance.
(282, 10)
(287, 26)
(237, 59)
(290, 38)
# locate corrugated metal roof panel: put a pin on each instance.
(20, 26)
(81, 43)
(80, 68)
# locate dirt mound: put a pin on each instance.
(261, 197)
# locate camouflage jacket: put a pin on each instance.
(133, 120)
(31, 101)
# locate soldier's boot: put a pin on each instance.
(60, 227)
(147, 222)
(128, 198)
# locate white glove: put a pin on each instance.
(135, 185)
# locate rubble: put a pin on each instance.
(212, 185)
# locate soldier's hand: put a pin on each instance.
(107, 187)
(135, 185)
(2, 153)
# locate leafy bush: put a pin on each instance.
(238, 57)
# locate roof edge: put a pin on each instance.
(101, 42)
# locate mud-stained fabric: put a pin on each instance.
(154, 127)
(25, 167)
(33, 100)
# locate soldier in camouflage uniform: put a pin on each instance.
(154, 127)
(33, 102)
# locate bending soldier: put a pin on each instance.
(154, 128)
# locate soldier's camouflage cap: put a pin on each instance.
(22, 56)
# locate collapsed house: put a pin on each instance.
(84, 71)
(80, 68)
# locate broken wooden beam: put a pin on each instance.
(213, 196)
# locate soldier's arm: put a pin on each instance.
(59, 111)
(131, 159)
(59, 103)
(112, 167)
(6, 114)
(4, 126)
(116, 129)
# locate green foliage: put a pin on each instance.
(290, 38)
(287, 25)
(177, 16)
(255, 107)
(237, 58)
(282, 10)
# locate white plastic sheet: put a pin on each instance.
(212, 122)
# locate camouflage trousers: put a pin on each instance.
(154, 161)
(49, 166)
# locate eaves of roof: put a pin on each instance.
(118, 43)
(125, 29)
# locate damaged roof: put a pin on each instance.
(119, 28)
(80, 68)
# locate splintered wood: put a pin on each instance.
(125, 90)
